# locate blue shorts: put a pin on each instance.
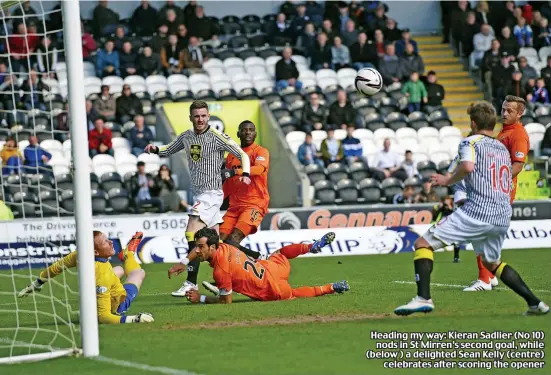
(131, 294)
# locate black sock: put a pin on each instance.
(423, 269)
(456, 251)
(246, 250)
(193, 266)
(512, 279)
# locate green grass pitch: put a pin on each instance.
(325, 335)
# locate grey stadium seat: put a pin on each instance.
(49, 203)
(418, 120)
(441, 191)
(396, 120)
(443, 166)
(315, 173)
(119, 200)
(111, 180)
(99, 202)
(64, 181)
(325, 192)
(439, 119)
(348, 191)
(24, 203)
(426, 168)
(67, 202)
(374, 121)
(336, 172)
(388, 105)
(14, 184)
(391, 186)
(370, 190)
(94, 182)
(415, 182)
(358, 171)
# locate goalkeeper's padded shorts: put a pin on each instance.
(131, 294)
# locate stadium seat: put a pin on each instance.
(415, 182)
(438, 156)
(543, 115)
(528, 117)
(101, 169)
(67, 202)
(536, 133)
(120, 143)
(441, 191)
(443, 166)
(110, 180)
(363, 134)
(64, 181)
(380, 135)
(325, 192)
(426, 168)
(374, 122)
(340, 134)
(396, 121)
(439, 119)
(390, 187)
(449, 131)
(15, 184)
(119, 200)
(428, 135)
(370, 190)
(336, 172)
(418, 120)
(315, 173)
(347, 191)
(388, 105)
(99, 202)
(24, 204)
(39, 181)
(112, 80)
(49, 204)
(103, 159)
(358, 171)
(51, 145)
(156, 79)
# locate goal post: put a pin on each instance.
(62, 319)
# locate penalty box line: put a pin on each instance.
(141, 366)
(463, 286)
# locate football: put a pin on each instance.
(368, 81)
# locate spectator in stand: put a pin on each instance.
(128, 105)
(141, 190)
(299, 22)
(411, 62)
(529, 87)
(36, 157)
(380, 44)
(104, 19)
(350, 34)
(280, 30)
(331, 148)
(11, 156)
(536, 20)
(405, 197)
(546, 142)
(286, 72)
(194, 56)
(172, 58)
(391, 31)
(287, 8)
(500, 74)
(387, 164)
(378, 22)
(61, 124)
(435, 93)
(92, 114)
(491, 59)
(515, 86)
(390, 66)
(540, 93)
(543, 35)
(20, 46)
(363, 53)
(327, 28)
(106, 105)
(343, 18)
(144, 19)
(169, 5)
(164, 188)
(458, 17)
(352, 147)
(160, 40)
(33, 89)
(89, 46)
(107, 61)
(314, 10)
(24, 14)
(340, 54)
(341, 113)
(427, 194)
(416, 92)
(523, 33)
(183, 38)
(120, 38)
(314, 115)
(140, 135)
(546, 72)
(482, 42)
(307, 152)
(401, 44)
(527, 71)
(201, 26)
(99, 139)
(510, 19)
(509, 43)
(128, 60)
(148, 64)
(470, 29)
(307, 40)
(172, 21)
(409, 166)
(545, 10)
(321, 54)
(46, 57)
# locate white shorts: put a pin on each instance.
(207, 207)
(487, 239)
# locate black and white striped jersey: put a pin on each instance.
(205, 156)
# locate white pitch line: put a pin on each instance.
(141, 366)
(38, 302)
(463, 286)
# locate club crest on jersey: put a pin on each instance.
(101, 289)
(196, 152)
(519, 154)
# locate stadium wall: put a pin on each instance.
(42, 241)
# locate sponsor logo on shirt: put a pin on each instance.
(519, 154)
(101, 289)
(260, 158)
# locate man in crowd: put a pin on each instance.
(140, 135)
(314, 115)
(387, 164)
(331, 148)
(286, 71)
(308, 153)
(141, 190)
(99, 139)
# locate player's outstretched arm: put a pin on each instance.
(165, 150)
(68, 261)
(177, 269)
(195, 297)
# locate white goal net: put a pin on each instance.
(36, 184)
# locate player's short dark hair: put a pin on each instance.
(483, 114)
(521, 103)
(198, 104)
(245, 122)
(210, 234)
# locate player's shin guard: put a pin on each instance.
(483, 273)
(313, 291)
(193, 266)
(512, 279)
(246, 250)
(423, 260)
(294, 250)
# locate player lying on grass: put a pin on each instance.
(484, 218)
(114, 298)
(262, 280)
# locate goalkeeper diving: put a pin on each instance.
(114, 298)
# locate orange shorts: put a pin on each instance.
(279, 268)
(247, 220)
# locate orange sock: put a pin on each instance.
(483, 273)
(294, 250)
(313, 291)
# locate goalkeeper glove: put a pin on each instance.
(142, 317)
(34, 287)
(227, 173)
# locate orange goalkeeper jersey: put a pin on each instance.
(234, 271)
(516, 139)
(256, 194)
